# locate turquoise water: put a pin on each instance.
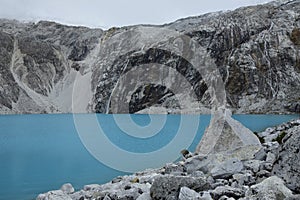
(41, 152)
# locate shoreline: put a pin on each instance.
(213, 176)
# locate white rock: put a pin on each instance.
(271, 157)
(187, 193)
(144, 196)
(67, 188)
(41, 197)
(227, 168)
(54, 195)
(270, 188)
(253, 165)
(206, 196)
(270, 130)
(91, 187)
(263, 134)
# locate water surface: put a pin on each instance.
(41, 152)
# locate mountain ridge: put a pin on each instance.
(48, 67)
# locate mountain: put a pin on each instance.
(47, 67)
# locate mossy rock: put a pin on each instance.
(295, 36)
(135, 180)
(280, 137)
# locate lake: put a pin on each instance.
(41, 152)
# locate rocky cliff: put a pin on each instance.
(52, 68)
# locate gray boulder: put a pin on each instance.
(187, 193)
(144, 196)
(228, 136)
(287, 164)
(272, 188)
(168, 186)
(67, 188)
(54, 195)
(227, 168)
(244, 179)
(228, 192)
(253, 165)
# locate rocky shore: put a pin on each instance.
(271, 173)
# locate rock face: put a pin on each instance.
(39, 63)
(211, 177)
(47, 67)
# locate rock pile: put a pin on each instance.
(273, 173)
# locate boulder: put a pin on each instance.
(244, 179)
(67, 188)
(227, 136)
(144, 196)
(287, 164)
(253, 165)
(227, 191)
(272, 188)
(168, 186)
(187, 193)
(227, 168)
(54, 195)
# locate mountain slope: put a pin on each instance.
(52, 68)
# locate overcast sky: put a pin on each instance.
(108, 13)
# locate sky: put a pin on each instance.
(109, 13)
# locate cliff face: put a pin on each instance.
(51, 68)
